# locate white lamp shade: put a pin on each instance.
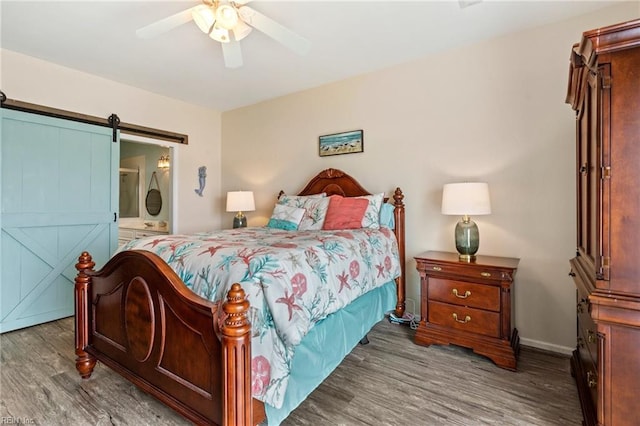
(468, 198)
(240, 201)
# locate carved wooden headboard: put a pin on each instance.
(333, 181)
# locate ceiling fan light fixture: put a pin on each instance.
(218, 33)
(204, 17)
(241, 30)
(220, 18)
(226, 16)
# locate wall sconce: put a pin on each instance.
(239, 201)
(469, 198)
(163, 162)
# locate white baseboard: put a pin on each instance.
(563, 350)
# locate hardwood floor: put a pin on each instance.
(375, 385)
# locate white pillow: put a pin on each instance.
(285, 217)
(315, 210)
(298, 200)
(371, 217)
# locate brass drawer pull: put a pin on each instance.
(592, 379)
(464, 296)
(466, 319)
(485, 274)
(437, 268)
(591, 336)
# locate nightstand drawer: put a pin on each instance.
(470, 270)
(464, 293)
(465, 319)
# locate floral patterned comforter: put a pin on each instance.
(292, 280)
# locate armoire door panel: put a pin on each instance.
(592, 186)
(603, 267)
(583, 170)
(625, 187)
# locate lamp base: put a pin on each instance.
(239, 221)
(468, 258)
(467, 239)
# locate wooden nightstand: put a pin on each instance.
(468, 304)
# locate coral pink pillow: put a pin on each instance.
(345, 213)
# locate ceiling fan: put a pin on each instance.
(228, 21)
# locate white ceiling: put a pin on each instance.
(348, 38)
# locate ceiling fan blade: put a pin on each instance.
(232, 54)
(166, 24)
(293, 41)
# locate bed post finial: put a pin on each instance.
(398, 213)
(235, 335)
(85, 362)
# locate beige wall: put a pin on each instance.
(32, 80)
(493, 111)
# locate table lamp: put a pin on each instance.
(240, 201)
(466, 199)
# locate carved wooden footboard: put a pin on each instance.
(137, 317)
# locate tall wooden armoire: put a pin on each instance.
(604, 90)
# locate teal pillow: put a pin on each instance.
(285, 217)
(386, 216)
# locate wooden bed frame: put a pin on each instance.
(136, 316)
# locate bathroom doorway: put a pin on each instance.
(146, 169)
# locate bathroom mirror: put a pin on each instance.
(153, 201)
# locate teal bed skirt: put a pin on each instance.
(328, 342)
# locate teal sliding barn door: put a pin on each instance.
(59, 182)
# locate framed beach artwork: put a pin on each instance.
(341, 143)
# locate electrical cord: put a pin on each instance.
(409, 317)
